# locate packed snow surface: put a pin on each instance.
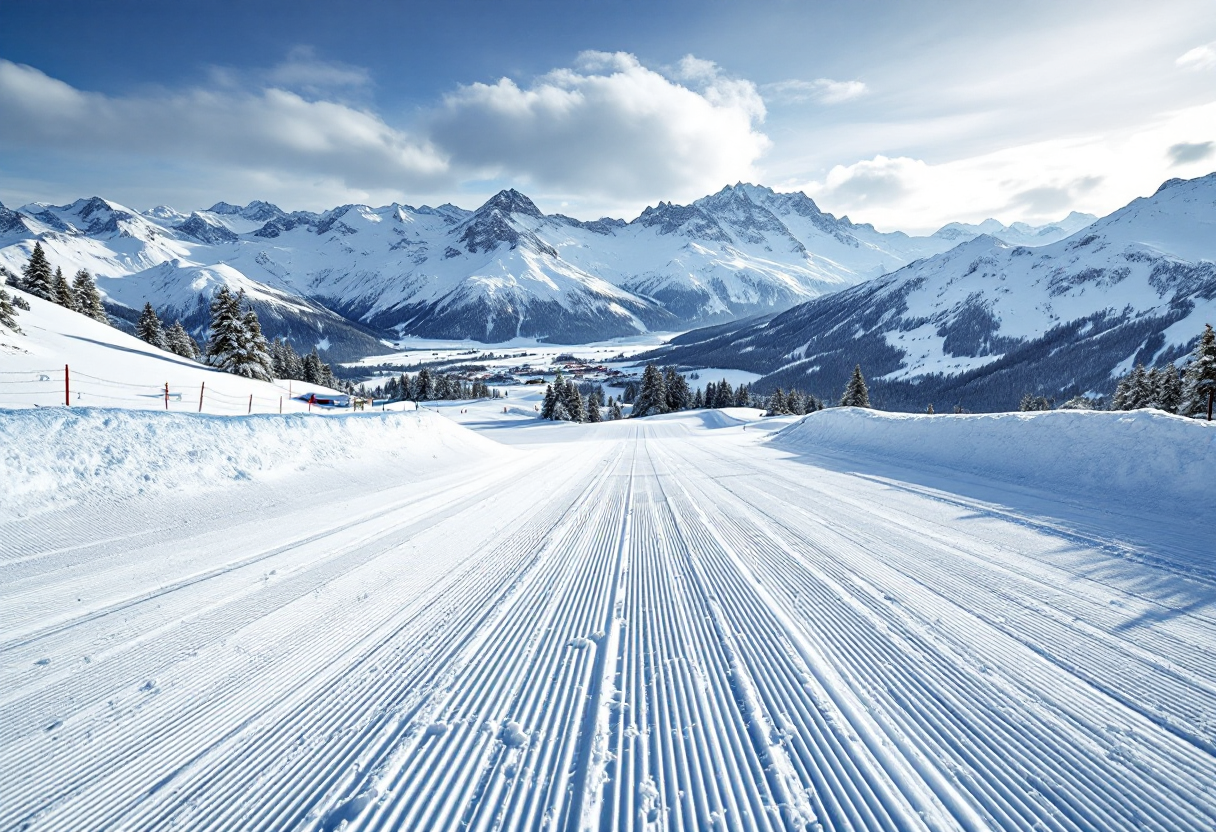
(686, 622)
(1142, 456)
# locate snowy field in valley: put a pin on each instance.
(462, 617)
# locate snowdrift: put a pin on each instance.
(1141, 456)
(51, 457)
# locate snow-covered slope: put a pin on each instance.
(108, 368)
(138, 259)
(986, 321)
(339, 278)
(1144, 457)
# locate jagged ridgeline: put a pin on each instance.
(343, 279)
(987, 322)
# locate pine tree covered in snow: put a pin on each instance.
(678, 395)
(88, 299)
(652, 398)
(855, 392)
(37, 277)
(149, 328)
(1169, 389)
(1031, 403)
(255, 355)
(180, 342)
(615, 410)
(8, 314)
(63, 291)
(1199, 384)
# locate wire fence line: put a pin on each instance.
(65, 387)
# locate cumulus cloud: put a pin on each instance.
(1199, 58)
(271, 128)
(822, 90)
(1037, 182)
(1185, 153)
(609, 126)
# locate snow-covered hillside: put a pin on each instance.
(338, 279)
(108, 368)
(985, 322)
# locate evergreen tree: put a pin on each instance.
(149, 328)
(855, 393)
(930, 410)
(424, 386)
(698, 399)
(312, 368)
(37, 277)
(711, 394)
(1139, 393)
(88, 299)
(615, 408)
(227, 330)
(652, 398)
(549, 403)
(255, 354)
(180, 342)
(724, 395)
(573, 402)
(1031, 403)
(63, 291)
(8, 315)
(1199, 385)
(678, 395)
(776, 404)
(743, 396)
(1153, 383)
(593, 408)
(1169, 389)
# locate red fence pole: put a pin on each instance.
(67, 392)
(201, 390)
(166, 395)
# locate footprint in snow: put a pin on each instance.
(42, 662)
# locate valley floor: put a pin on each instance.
(660, 624)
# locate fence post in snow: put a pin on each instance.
(166, 395)
(250, 403)
(201, 390)
(280, 405)
(67, 391)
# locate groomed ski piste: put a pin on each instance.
(471, 619)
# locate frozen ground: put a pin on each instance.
(686, 622)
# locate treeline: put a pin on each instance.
(38, 279)
(566, 401)
(1187, 392)
(427, 386)
(666, 391)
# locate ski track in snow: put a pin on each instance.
(655, 629)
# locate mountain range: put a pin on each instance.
(989, 320)
(346, 279)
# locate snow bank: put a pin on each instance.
(50, 457)
(1140, 456)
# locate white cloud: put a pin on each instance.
(1036, 182)
(269, 129)
(822, 90)
(302, 70)
(1199, 58)
(609, 127)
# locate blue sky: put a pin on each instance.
(905, 115)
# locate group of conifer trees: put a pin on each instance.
(38, 279)
(175, 339)
(565, 402)
(287, 363)
(1187, 392)
(427, 386)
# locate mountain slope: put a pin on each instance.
(986, 321)
(341, 279)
